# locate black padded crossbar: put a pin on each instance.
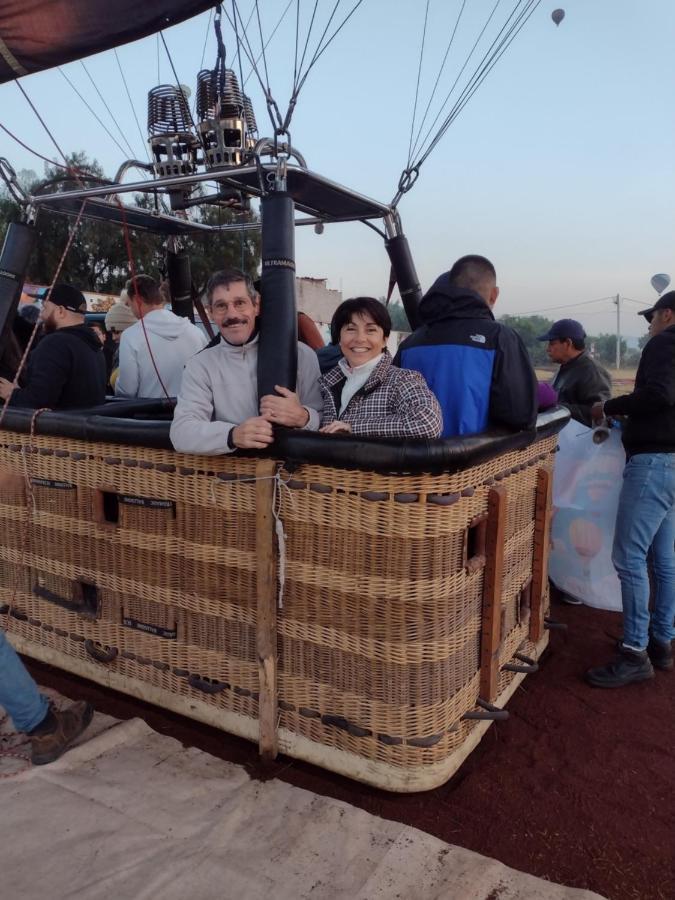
(295, 447)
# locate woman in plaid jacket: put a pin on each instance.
(365, 394)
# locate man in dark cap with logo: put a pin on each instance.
(645, 519)
(67, 369)
(580, 381)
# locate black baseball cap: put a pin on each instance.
(564, 329)
(665, 302)
(68, 297)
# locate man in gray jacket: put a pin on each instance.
(580, 381)
(217, 409)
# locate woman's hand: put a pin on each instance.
(336, 427)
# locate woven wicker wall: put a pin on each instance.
(144, 562)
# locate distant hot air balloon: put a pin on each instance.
(558, 15)
(660, 282)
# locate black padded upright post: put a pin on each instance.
(278, 348)
(180, 283)
(406, 276)
(16, 251)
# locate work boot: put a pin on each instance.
(660, 654)
(57, 731)
(629, 666)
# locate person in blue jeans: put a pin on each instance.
(51, 731)
(646, 516)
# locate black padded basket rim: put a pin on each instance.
(294, 447)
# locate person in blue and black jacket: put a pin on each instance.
(478, 368)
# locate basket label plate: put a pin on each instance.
(168, 633)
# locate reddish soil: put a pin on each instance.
(578, 786)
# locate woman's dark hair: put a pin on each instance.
(357, 306)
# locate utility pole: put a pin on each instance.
(618, 330)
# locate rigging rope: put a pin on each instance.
(304, 49)
(108, 110)
(93, 112)
(262, 44)
(515, 21)
(438, 78)
(417, 86)
(52, 162)
(67, 166)
(272, 33)
(178, 85)
(459, 75)
(319, 53)
(144, 143)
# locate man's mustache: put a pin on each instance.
(228, 322)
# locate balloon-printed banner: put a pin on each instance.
(586, 485)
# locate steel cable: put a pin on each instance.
(438, 79)
(417, 86)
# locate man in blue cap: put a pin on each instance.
(645, 519)
(580, 381)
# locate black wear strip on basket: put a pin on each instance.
(297, 447)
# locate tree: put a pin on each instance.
(530, 328)
(399, 320)
(605, 348)
(643, 340)
(98, 259)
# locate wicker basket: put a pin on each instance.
(404, 596)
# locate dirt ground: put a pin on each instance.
(578, 786)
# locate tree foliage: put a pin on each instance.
(399, 320)
(530, 328)
(605, 348)
(98, 259)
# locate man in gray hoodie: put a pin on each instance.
(218, 409)
(153, 351)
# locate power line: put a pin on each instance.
(639, 302)
(534, 312)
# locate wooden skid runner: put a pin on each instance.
(404, 596)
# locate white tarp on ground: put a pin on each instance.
(586, 485)
(132, 815)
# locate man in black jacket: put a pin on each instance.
(580, 381)
(646, 516)
(478, 368)
(67, 368)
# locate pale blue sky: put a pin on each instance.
(560, 169)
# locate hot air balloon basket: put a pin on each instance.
(399, 598)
